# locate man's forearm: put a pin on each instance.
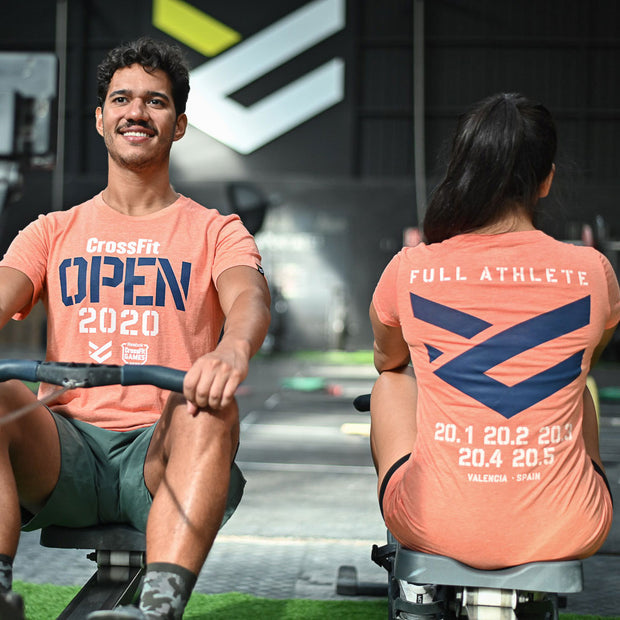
(247, 322)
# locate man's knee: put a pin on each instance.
(207, 427)
(34, 420)
(222, 424)
(13, 395)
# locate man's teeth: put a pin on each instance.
(138, 134)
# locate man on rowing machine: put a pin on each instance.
(138, 274)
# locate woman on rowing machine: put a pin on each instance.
(484, 434)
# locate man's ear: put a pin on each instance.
(180, 127)
(99, 120)
(545, 186)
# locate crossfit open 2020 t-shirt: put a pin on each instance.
(128, 290)
(501, 330)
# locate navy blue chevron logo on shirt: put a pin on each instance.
(467, 372)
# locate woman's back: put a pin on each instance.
(501, 330)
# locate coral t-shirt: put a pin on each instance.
(120, 289)
(501, 330)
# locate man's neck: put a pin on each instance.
(138, 193)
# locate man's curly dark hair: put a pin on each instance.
(151, 55)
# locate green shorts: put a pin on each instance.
(102, 479)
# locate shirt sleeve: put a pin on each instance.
(613, 292)
(235, 247)
(28, 253)
(384, 298)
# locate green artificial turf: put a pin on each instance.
(45, 602)
(362, 357)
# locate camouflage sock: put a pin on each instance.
(6, 572)
(166, 590)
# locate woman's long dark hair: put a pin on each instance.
(502, 151)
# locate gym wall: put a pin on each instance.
(340, 113)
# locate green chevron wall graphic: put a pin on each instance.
(193, 27)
